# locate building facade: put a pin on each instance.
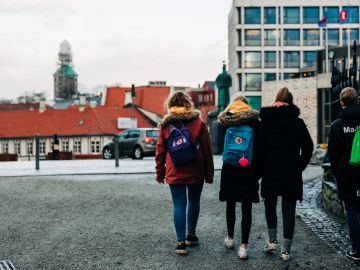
(273, 40)
(65, 78)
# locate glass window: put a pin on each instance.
(270, 37)
(240, 81)
(310, 15)
(291, 37)
(331, 14)
(253, 59)
(77, 146)
(65, 145)
(291, 15)
(254, 102)
(333, 37)
(239, 36)
(95, 147)
(353, 14)
(291, 59)
(253, 82)
(123, 135)
(310, 59)
(252, 15)
(270, 15)
(152, 133)
(239, 59)
(288, 76)
(17, 145)
(354, 35)
(42, 147)
(239, 14)
(270, 59)
(134, 134)
(253, 37)
(5, 146)
(30, 147)
(270, 77)
(311, 37)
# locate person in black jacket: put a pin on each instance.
(285, 149)
(239, 184)
(342, 133)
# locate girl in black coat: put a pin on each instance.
(239, 184)
(285, 149)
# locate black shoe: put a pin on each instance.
(353, 254)
(181, 248)
(191, 240)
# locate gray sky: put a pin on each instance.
(113, 41)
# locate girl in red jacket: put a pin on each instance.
(186, 181)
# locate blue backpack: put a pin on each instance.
(181, 149)
(238, 144)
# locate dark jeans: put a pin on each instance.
(352, 208)
(288, 207)
(245, 220)
(181, 195)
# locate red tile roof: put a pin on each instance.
(150, 98)
(69, 122)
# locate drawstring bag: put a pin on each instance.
(355, 150)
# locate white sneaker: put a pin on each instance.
(243, 253)
(229, 242)
(285, 256)
(269, 247)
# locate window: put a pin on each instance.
(95, 147)
(239, 36)
(240, 81)
(17, 146)
(291, 15)
(153, 133)
(252, 37)
(239, 14)
(354, 35)
(252, 15)
(77, 146)
(5, 147)
(288, 76)
(291, 37)
(30, 147)
(311, 37)
(270, 77)
(42, 147)
(65, 145)
(291, 59)
(136, 133)
(331, 14)
(270, 59)
(253, 59)
(333, 37)
(310, 59)
(254, 102)
(253, 82)
(270, 37)
(270, 15)
(239, 59)
(311, 15)
(353, 14)
(123, 135)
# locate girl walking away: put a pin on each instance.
(285, 149)
(239, 182)
(184, 160)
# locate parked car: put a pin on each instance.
(135, 143)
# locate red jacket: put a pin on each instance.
(198, 170)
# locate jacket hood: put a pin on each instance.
(183, 117)
(280, 116)
(228, 119)
(351, 114)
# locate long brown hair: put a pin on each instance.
(284, 95)
(179, 99)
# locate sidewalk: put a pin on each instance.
(83, 167)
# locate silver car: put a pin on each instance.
(135, 143)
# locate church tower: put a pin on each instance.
(65, 78)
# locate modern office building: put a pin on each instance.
(272, 40)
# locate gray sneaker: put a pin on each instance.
(269, 247)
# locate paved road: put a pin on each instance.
(85, 222)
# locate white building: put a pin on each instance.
(272, 40)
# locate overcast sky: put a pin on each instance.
(113, 41)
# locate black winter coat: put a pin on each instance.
(285, 149)
(239, 184)
(342, 134)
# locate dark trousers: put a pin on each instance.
(352, 208)
(288, 207)
(246, 208)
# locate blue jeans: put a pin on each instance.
(180, 199)
(353, 219)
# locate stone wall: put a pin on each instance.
(304, 91)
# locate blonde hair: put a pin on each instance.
(349, 96)
(178, 99)
(284, 95)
